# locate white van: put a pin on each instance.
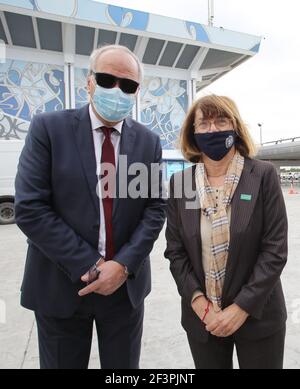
(9, 157)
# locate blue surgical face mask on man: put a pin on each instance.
(112, 104)
(215, 144)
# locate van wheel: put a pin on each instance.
(7, 213)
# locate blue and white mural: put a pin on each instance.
(164, 104)
(30, 88)
(66, 7)
(26, 89)
(125, 17)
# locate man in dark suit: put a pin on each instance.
(78, 232)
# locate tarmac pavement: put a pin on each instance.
(164, 344)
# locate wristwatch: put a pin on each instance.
(94, 272)
(127, 273)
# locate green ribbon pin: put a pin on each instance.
(246, 197)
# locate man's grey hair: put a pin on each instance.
(98, 52)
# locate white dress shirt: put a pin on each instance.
(98, 137)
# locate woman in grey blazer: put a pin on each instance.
(227, 242)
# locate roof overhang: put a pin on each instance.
(73, 28)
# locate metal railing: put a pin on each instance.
(276, 142)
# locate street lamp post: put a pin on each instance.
(260, 132)
(211, 14)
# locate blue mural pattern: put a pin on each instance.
(164, 104)
(197, 32)
(126, 17)
(26, 89)
(66, 7)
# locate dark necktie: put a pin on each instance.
(108, 156)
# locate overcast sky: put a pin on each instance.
(267, 87)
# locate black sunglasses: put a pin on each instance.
(109, 81)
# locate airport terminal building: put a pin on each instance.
(46, 55)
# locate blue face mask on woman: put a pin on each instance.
(112, 104)
(215, 144)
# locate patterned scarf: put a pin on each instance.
(214, 278)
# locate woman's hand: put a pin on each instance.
(199, 305)
(223, 323)
(229, 321)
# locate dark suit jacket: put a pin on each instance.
(257, 251)
(58, 209)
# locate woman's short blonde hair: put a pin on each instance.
(212, 106)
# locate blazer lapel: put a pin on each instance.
(85, 144)
(191, 221)
(128, 136)
(242, 207)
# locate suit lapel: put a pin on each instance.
(128, 136)
(191, 221)
(242, 207)
(193, 218)
(86, 151)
